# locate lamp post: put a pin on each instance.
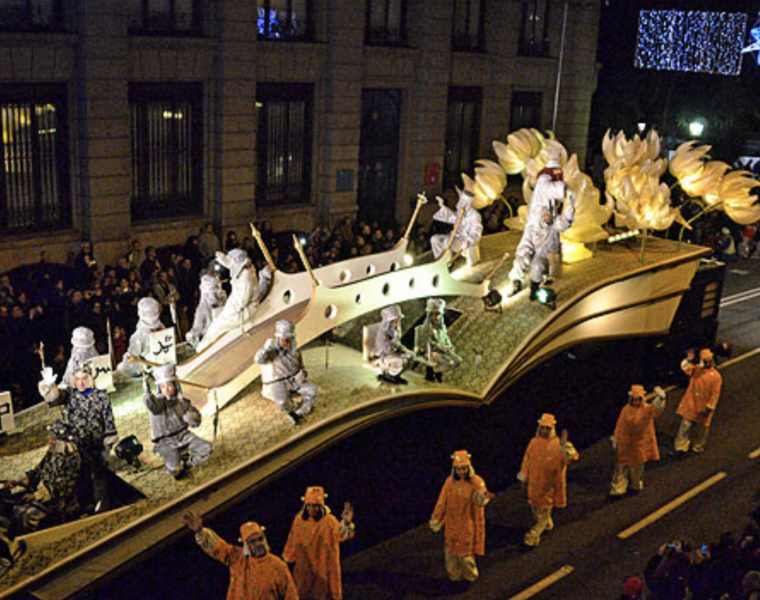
(697, 127)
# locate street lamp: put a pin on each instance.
(697, 127)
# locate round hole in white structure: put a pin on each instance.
(370, 269)
(395, 266)
(331, 311)
(436, 280)
(287, 297)
(386, 289)
(411, 283)
(345, 276)
(359, 299)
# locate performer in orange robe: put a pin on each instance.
(543, 471)
(314, 546)
(254, 571)
(460, 507)
(699, 402)
(635, 440)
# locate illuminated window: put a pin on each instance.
(167, 149)
(526, 110)
(31, 15)
(285, 20)
(34, 182)
(467, 31)
(534, 28)
(284, 143)
(385, 23)
(462, 133)
(164, 17)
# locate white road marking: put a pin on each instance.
(672, 505)
(544, 583)
(740, 297)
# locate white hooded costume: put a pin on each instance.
(210, 304)
(170, 417)
(432, 340)
(148, 312)
(391, 355)
(540, 246)
(470, 228)
(282, 372)
(243, 301)
(82, 350)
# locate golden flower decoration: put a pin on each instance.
(734, 192)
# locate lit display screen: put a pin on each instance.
(692, 41)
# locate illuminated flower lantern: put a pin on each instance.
(633, 182)
(527, 151)
(712, 185)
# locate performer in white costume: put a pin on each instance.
(170, 417)
(391, 355)
(432, 341)
(210, 304)
(243, 301)
(282, 372)
(470, 228)
(539, 251)
(148, 312)
(82, 350)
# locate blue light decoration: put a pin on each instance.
(279, 28)
(691, 41)
(755, 45)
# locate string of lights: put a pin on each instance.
(690, 41)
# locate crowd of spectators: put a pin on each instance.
(726, 569)
(44, 301)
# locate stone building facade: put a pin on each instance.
(144, 120)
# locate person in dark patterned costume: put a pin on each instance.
(51, 485)
(93, 428)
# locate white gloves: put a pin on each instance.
(614, 443)
(435, 525)
(110, 441)
(48, 377)
(659, 392)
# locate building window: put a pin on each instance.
(284, 114)
(467, 33)
(167, 149)
(526, 110)
(285, 20)
(31, 15)
(534, 28)
(34, 183)
(385, 23)
(164, 17)
(462, 134)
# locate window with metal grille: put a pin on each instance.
(534, 28)
(462, 133)
(385, 23)
(164, 17)
(526, 110)
(34, 183)
(285, 20)
(167, 149)
(31, 15)
(467, 26)
(284, 143)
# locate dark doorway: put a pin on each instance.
(378, 155)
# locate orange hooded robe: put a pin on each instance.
(703, 391)
(545, 468)
(315, 548)
(463, 517)
(635, 435)
(265, 578)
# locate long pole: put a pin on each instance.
(559, 68)
(304, 260)
(421, 199)
(263, 246)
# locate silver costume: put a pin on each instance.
(468, 233)
(282, 372)
(148, 311)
